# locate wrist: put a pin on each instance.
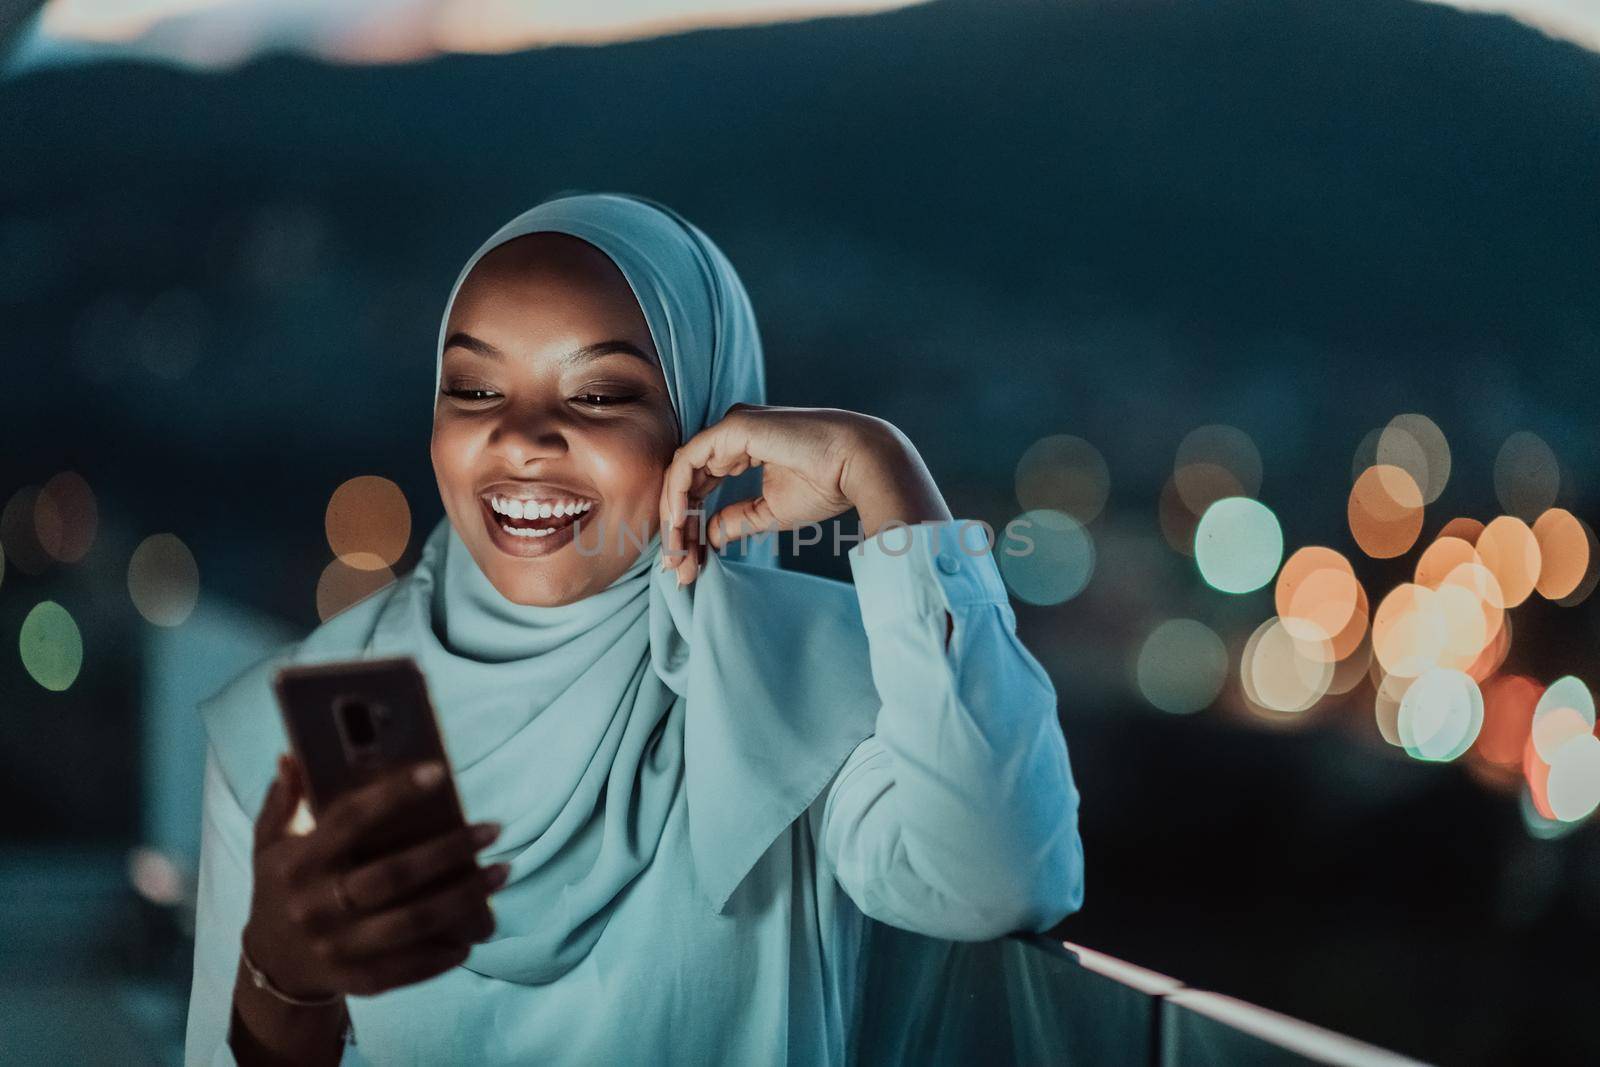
(266, 979)
(887, 482)
(264, 1031)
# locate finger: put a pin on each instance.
(680, 539)
(460, 910)
(692, 531)
(693, 535)
(667, 534)
(676, 484)
(740, 519)
(683, 492)
(360, 812)
(278, 806)
(671, 544)
(715, 450)
(394, 879)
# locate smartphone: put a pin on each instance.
(352, 721)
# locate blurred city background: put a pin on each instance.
(1281, 319)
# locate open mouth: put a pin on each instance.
(535, 519)
(533, 527)
(530, 518)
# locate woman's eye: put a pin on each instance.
(602, 399)
(469, 394)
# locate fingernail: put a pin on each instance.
(485, 832)
(496, 876)
(428, 774)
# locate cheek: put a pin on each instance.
(451, 451)
(628, 468)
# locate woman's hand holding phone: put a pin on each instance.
(320, 925)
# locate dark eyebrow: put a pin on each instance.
(577, 355)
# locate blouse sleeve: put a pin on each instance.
(958, 817)
(221, 907)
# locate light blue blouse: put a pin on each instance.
(957, 819)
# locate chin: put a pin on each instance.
(542, 590)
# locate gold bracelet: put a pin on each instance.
(259, 979)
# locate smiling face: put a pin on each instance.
(551, 393)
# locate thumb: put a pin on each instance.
(281, 800)
(740, 519)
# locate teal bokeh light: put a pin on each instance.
(1046, 557)
(1238, 545)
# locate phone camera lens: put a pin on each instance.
(356, 717)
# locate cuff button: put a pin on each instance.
(948, 563)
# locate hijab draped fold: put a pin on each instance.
(576, 726)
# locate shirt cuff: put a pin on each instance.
(926, 568)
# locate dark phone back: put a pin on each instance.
(353, 721)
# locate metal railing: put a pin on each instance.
(1030, 999)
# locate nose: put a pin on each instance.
(521, 439)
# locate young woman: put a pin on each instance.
(697, 776)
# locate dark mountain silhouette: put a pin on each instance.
(1095, 216)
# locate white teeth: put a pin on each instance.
(532, 509)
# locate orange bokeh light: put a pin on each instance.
(1442, 557)
(1466, 529)
(1409, 634)
(1564, 553)
(1346, 641)
(1317, 594)
(368, 523)
(1511, 552)
(1385, 511)
(1494, 653)
(1508, 703)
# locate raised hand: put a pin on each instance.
(816, 463)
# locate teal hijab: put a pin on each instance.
(566, 719)
(577, 726)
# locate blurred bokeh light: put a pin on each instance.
(1066, 474)
(1238, 545)
(1182, 666)
(65, 517)
(164, 579)
(51, 646)
(368, 523)
(1527, 476)
(342, 585)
